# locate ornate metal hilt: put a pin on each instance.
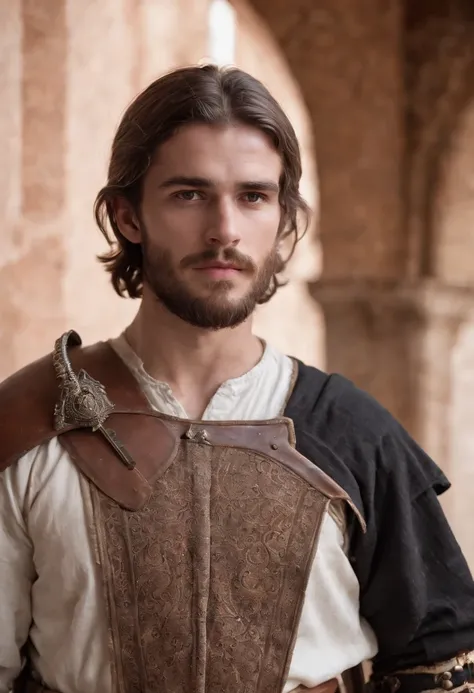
(83, 401)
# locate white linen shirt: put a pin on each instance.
(50, 585)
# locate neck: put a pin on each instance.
(194, 362)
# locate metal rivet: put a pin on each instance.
(459, 667)
(274, 446)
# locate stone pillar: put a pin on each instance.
(32, 136)
(396, 341)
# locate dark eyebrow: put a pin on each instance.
(187, 181)
(263, 185)
(196, 182)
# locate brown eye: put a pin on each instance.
(188, 195)
(254, 197)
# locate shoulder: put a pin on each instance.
(321, 399)
(359, 433)
(27, 400)
(318, 395)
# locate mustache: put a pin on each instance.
(230, 255)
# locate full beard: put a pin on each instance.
(215, 311)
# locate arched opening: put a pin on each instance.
(222, 31)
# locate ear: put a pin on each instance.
(127, 220)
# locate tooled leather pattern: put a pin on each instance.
(205, 583)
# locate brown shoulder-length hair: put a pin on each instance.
(212, 96)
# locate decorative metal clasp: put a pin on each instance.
(196, 435)
(83, 401)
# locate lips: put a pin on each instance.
(218, 266)
(218, 271)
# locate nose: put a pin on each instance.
(223, 226)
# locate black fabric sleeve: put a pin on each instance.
(416, 590)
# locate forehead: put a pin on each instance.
(231, 152)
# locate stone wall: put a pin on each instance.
(32, 193)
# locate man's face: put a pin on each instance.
(209, 221)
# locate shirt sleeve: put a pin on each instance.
(16, 573)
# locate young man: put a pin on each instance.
(159, 530)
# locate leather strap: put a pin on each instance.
(327, 687)
(459, 678)
(31, 686)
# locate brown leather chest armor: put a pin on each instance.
(205, 532)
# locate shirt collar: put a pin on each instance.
(236, 385)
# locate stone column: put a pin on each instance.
(396, 341)
(32, 137)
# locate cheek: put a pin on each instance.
(261, 232)
(171, 225)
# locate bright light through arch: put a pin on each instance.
(222, 26)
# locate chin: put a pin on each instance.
(228, 299)
(224, 290)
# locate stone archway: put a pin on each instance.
(385, 84)
(439, 84)
(345, 57)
